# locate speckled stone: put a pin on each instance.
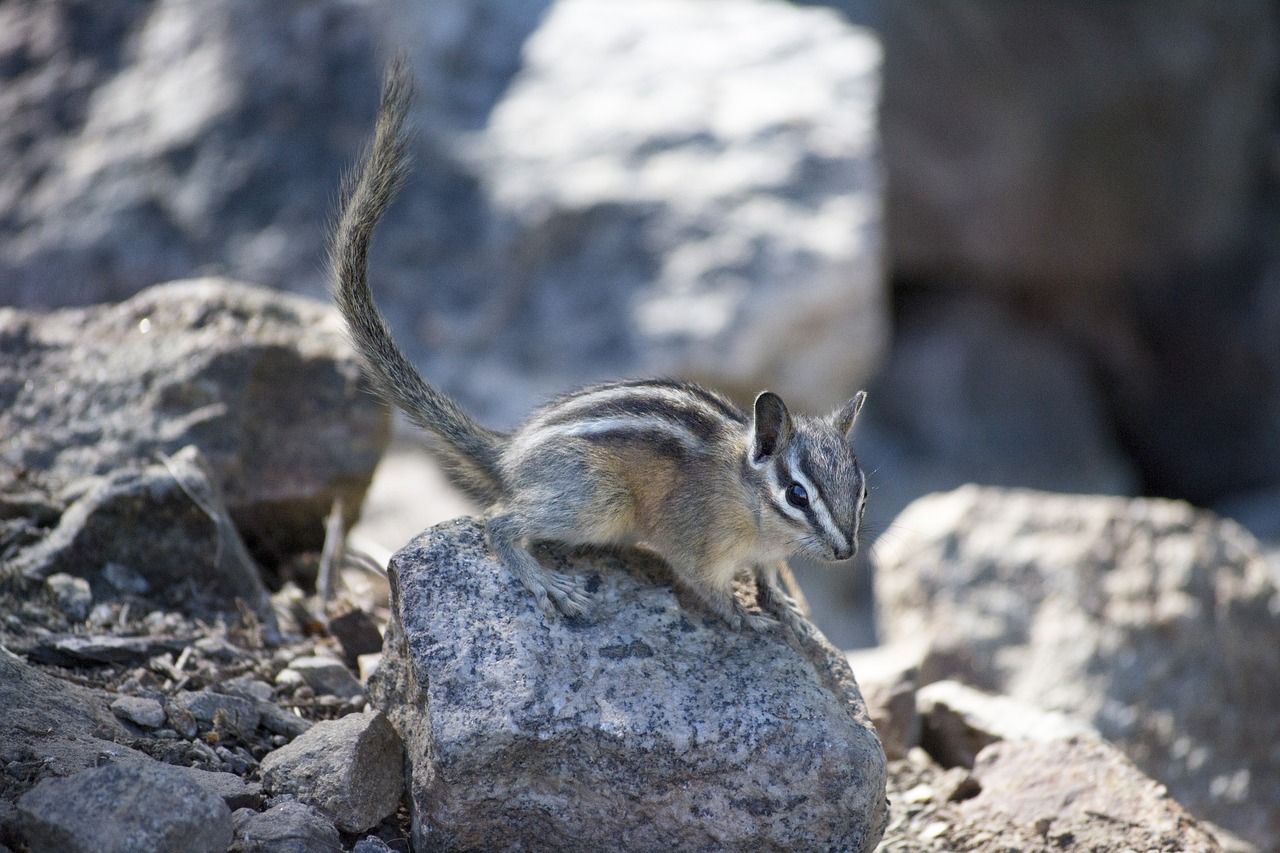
(148, 808)
(351, 769)
(647, 724)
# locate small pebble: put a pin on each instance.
(250, 688)
(326, 675)
(289, 678)
(147, 713)
(181, 720)
(957, 784)
(72, 594)
(919, 794)
(103, 615)
(124, 579)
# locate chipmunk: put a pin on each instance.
(715, 491)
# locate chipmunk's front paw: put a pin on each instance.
(568, 593)
(759, 622)
(740, 617)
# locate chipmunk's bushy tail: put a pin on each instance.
(467, 451)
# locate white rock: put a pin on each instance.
(693, 188)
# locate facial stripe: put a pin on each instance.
(818, 509)
(777, 479)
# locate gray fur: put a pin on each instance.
(467, 451)
(664, 462)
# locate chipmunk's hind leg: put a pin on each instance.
(552, 590)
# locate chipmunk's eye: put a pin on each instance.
(797, 496)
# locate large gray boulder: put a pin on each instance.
(1154, 622)
(691, 188)
(144, 141)
(720, 220)
(646, 724)
(263, 384)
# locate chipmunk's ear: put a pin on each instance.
(770, 427)
(844, 417)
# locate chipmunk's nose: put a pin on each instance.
(844, 552)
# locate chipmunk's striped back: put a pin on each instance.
(715, 490)
(677, 418)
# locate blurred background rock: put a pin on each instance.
(1044, 235)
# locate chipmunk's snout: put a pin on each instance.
(844, 552)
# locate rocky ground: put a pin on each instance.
(1073, 289)
(212, 692)
(188, 689)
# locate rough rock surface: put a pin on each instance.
(113, 809)
(646, 724)
(323, 675)
(156, 141)
(695, 188)
(351, 769)
(50, 728)
(957, 722)
(1154, 622)
(145, 141)
(164, 525)
(1030, 782)
(42, 717)
(263, 384)
(1082, 795)
(290, 827)
(139, 710)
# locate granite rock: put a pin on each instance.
(1078, 795)
(262, 384)
(139, 710)
(167, 519)
(957, 722)
(290, 827)
(351, 769)
(645, 724)
(150, 808)
(1154, 622)
(324, 675)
